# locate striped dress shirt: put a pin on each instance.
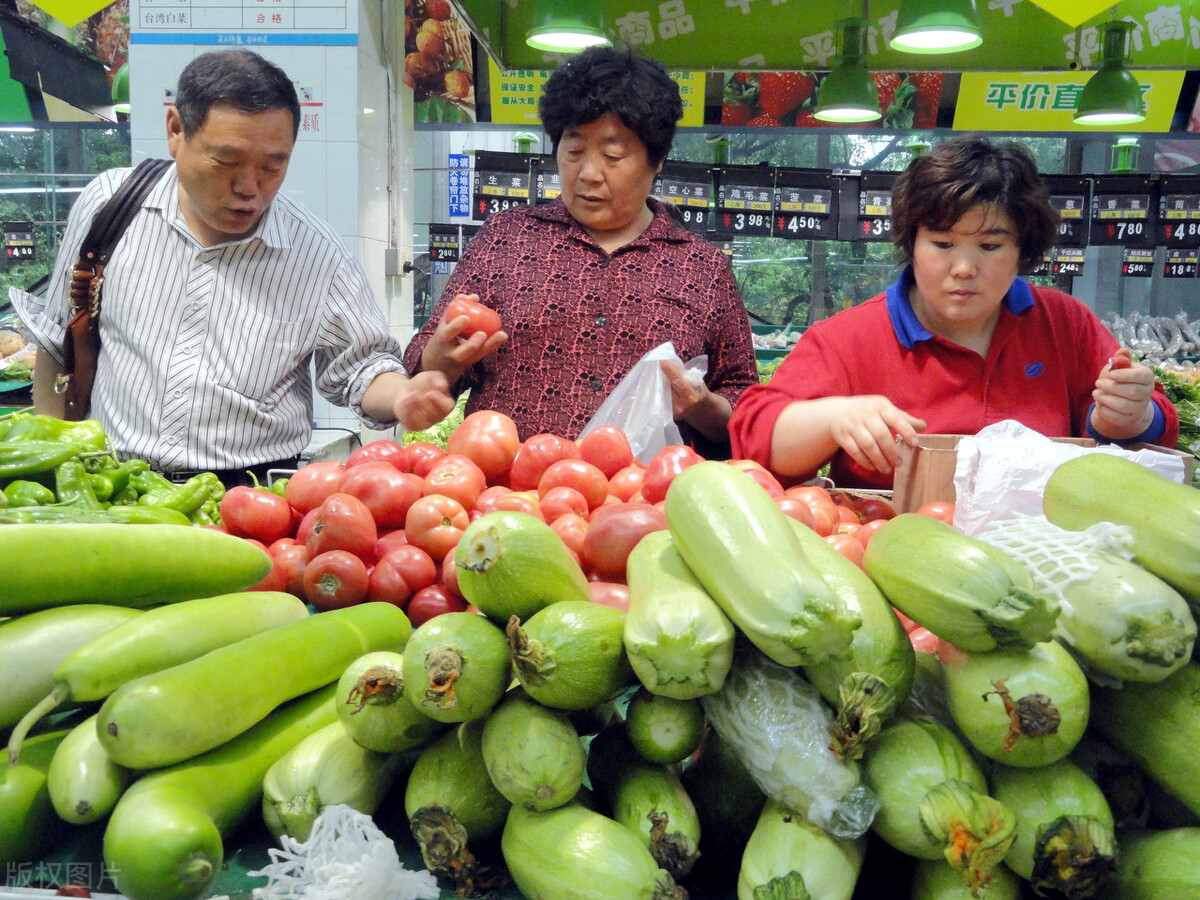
(206, 351)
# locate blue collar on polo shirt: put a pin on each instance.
(909, 329)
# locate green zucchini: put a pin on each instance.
(1018, 707)
(1163, 515)
(456, 667)
(177, 713)
(787, 857)
(868, 687)
(135, 567)
(934, 880)
(661, 729)
(532, 753)
(964, 590)
(1158, 726)
(513, 564)
(165, 836)
(84, 783)
(1156, 865)
(1065, 843)
(374, 709)
(33, 645)
(678, 640)
(743, 551)
(573, 853)
(28, 823)
(570, 654)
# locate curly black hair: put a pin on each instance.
(941, 186)
(238, 78)
(606, 79)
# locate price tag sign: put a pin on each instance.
(1137, 262)
(690, 187)
(549, 183)
(1070, 196)
(1066, 261)
(502, 181)
(1181, 262)
(443, 242)
(745, 196)
(1123, 212)
(875, 207)
(468, 232)
(804, 206)
(18, 241)
(1179, 211)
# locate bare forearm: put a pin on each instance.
(802, 439)
(710, 417)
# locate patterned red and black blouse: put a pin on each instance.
(578, 318)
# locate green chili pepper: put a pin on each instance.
(102, 485)
(121, 515)
(126, 496)
(88, 434)
(279, 486)
(122, 473)
(187, 497)
(148, 480)
(28, 493)
(73, 486)
(21, 458)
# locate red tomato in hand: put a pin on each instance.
(667, 463)
(343, 523)
(456, 476)
(422, 455)
(381, 450)
(480, 317)
(432, 601)
(312, 483)
(399, 574)
(627, 482)
(607, 448)
(613, 532)
(487, 438)
(939, 509)
(386, 491)
(435, 523)
(535, 457)
(578, 474)
(253, 512)
(335, 579)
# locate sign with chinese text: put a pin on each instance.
(443, 242)
(501, 182)
(459, 165)
(18, 241)
(1070, 194)
(745, 196)
(689, 187)
(1123, 211)
(874, 206)
(1179, 211)
(804, 206)
(549, 182)
(1066, 261)
(1181, 262)
(1137, 262)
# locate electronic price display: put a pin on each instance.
(745, 197)
(18, 241)
(1071, 196)
(1124, 211)
(1179, 211)
(723, 242)
(1066, 261)
(875, 206)
(1181, 262)
(1137, 262)
(502, 181)
(468, 232)
(689, 186)
(443, 242)
(548, 183)
(805, 205)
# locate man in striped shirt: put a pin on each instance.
(222, 292)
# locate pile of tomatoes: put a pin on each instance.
(384, 524)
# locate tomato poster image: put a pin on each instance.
(778, 99)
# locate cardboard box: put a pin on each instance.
(926, 472)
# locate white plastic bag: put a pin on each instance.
(641, 404)
(1002, 471)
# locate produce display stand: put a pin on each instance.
(14, 396)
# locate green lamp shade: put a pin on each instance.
(848, 94)
(1112, 96)
(565, 27)
(936, 26)
(120, 89)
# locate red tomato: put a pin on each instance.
(908, 623)
(761, 476)
(871, 509)
(280, 544)
(456, 476)
(846, 545)
(399, 574)
(535, 456)
(560, 500)
(797, 509)
(519, 501)
(609, 500)
(609, 593)
(487, 438)
(667, 463)
(613, 532)
(825, 519)
(343, 523)
(867, 529)
(626, 482)
(433, 601)
(607, 448)
(572, 528)
(385, 490)
(312, 483)
(578, 474)
(924, 641)
(256, 513)
(435, 523)
(335, 579)
(448, 575)
(480, 317)
(812, 494)
(939, 509)
(293, 560)
(381, 450)
(422, 455)
(276, 579)
(304, 528)
(847, 515)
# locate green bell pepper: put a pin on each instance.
(73, 486)
(28, 493)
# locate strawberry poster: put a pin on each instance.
(788, 99)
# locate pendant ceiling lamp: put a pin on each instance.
(1112, 96)
(936, 26)
(565, 27)
(120, 90)
(848, 93)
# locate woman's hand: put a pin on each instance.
(864, 426)
(450, 352)
(1123, 391)
(695, 404)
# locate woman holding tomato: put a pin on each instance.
(958, 342)
(584, 286)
